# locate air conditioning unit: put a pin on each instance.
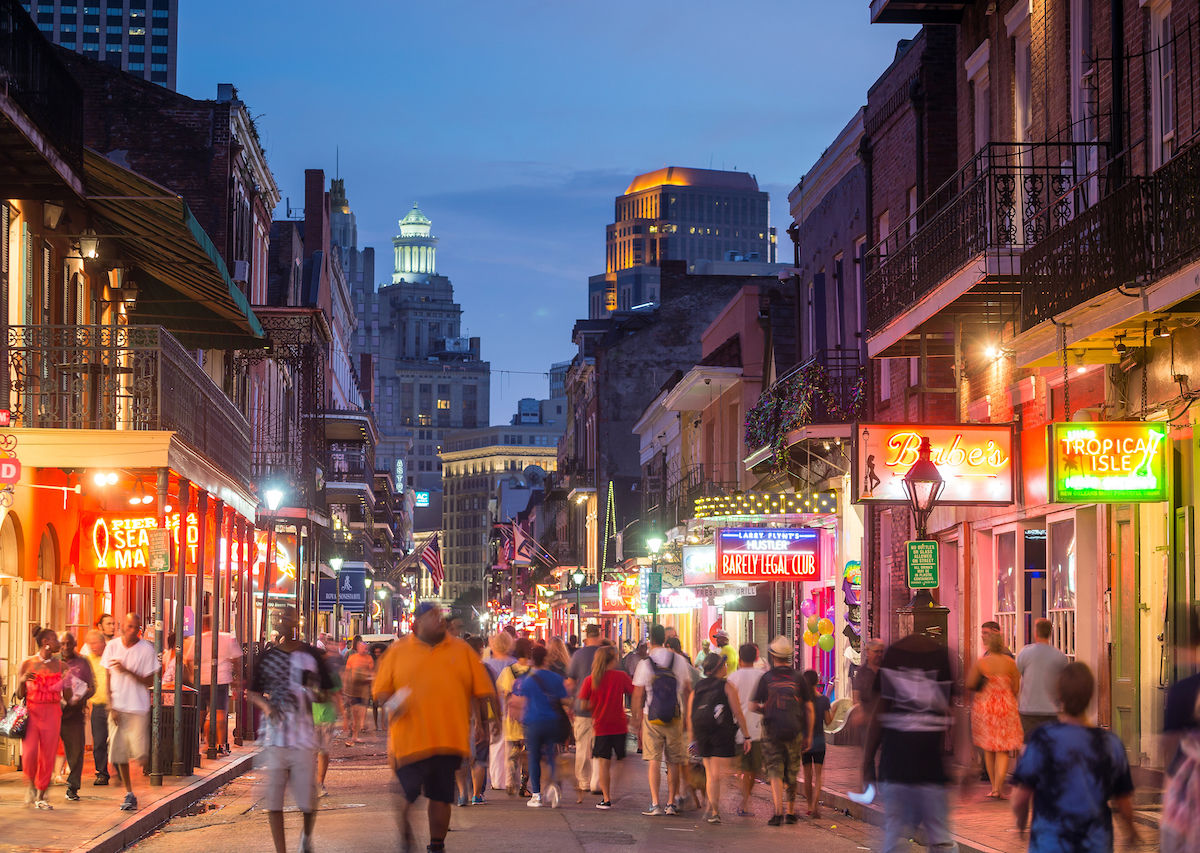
(241, 271)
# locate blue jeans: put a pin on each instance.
(541, 738)
(918, 811)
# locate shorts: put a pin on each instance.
(752, 761)
(222, 698)
(1032, 722)
(323, 735)
(719, 744)
(659, 742)
(128, 738)
(294, 767)
(609, 746)
(433, 776)
(482, 746)
(813, 756)
(782, 758)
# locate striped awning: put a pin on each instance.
(182, 281)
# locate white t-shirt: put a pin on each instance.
(126, 693)
(228, 651)
(643, 676)
(745, 681)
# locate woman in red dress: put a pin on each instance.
(41, 686)
(995, 723)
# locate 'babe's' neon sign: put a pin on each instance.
(1108, 462)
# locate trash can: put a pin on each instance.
(191, 732)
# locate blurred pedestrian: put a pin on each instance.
(40, 684)
(130, 662)
(721, 637)
(376, 654)
(326, 710)
(1039, 664)
(586, 770)
(813, 758)
(107, 626)
(602, 695)
(497, 659)
(558, 658)
(544, 700)
(746, 679)
(359, 674)
(908, 730)
(661, 686)
(995, 721)
(98, 706)
(516, 781)
(786, 706)
(1180, 825)
(288, 678)
(1069, 772)
(714, 718)
(229, 677)
(427, 682)
(80, 684)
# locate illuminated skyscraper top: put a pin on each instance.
(416, 250)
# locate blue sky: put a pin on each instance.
(515, 124)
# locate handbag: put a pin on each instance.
(15, 720)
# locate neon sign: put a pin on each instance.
(120, 544)
(976, 461)
(620, 597)
(1108, 462)
(767, 554)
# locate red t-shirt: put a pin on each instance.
(608, 702)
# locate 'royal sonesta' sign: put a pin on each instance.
(976, 461)
(768, 554)
(1108, 462)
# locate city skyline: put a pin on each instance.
(524, 212)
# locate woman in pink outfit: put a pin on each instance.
(995, 723)
(41, 686)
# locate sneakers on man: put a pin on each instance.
(790, 819)
(535, 801)
(305, 843)
(100, 781)
(72, 795)
(552, 796)
(478, 800)
(775, 820)
(129, 803)
(604, 805)
(671, 810)
(655, 810)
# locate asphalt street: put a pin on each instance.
(358, 815)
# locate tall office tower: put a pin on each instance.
(711, 219)
(138, 36)
(430, 381)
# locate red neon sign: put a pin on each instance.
(976, 461)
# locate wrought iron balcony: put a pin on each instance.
(918, 11)
(122, 378)
(1146, 229)
(351, 462)
(1007, 198)
(829, 388)
(39, 83)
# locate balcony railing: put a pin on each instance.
(829, 388)
(122, 378)
(1008, 197)
(350, 462)
(36, 79)
(1148, 228)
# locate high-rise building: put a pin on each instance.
(138, 36)
(430, 381)
(708, 218)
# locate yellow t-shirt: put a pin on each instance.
(100, 676)
(731, 657)
(513, 730)
(437, 715)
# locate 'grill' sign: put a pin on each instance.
(768, 554)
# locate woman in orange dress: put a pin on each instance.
(995, 723)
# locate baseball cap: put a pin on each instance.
(424, 607)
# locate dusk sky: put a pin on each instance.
(516, 124)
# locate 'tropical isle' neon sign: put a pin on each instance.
(1108, 462)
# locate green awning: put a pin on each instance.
(183, 283)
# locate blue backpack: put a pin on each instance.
(664, 694)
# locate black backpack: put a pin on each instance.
(711, 713)
(783, 714)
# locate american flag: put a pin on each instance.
(431, 559)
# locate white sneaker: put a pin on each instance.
(305, 843)
(865, 798)
(535, 802)
(552, 796)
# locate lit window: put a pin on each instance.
(137, 31)
(443, 404)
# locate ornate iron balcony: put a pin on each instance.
(1008, 197)
(828, 388)
(122, 378)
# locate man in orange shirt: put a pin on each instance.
(435, 678)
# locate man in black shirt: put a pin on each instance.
(908, 730)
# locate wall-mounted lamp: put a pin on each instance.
(1160, 330)
(89, 244)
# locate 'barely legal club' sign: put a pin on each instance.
(767, 554)
(975, 460)
(1108, 462)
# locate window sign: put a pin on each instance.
(976, 461)
(1108, 462)
(768, 554)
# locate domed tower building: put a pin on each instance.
(416, 248)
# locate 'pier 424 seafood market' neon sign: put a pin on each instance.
(1108, 462)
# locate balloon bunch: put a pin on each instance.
(820, 630)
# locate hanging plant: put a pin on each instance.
(798, 401)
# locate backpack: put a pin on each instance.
(711, 714)
(664, 694)
(514, 705)
(783, 715)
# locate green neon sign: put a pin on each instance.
(1108, 462)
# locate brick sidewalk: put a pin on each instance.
(979, 824)
(95, 824)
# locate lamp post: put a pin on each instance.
(654, 543)
(335, 563)
(578, 576)
(274, 497)
(923, 484)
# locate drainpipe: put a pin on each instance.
(1116, 145)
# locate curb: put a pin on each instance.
(873, 815)
(149, 819)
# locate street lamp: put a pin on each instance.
(923, 484)
(335, 563)
(578, 576)
(274, 497)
